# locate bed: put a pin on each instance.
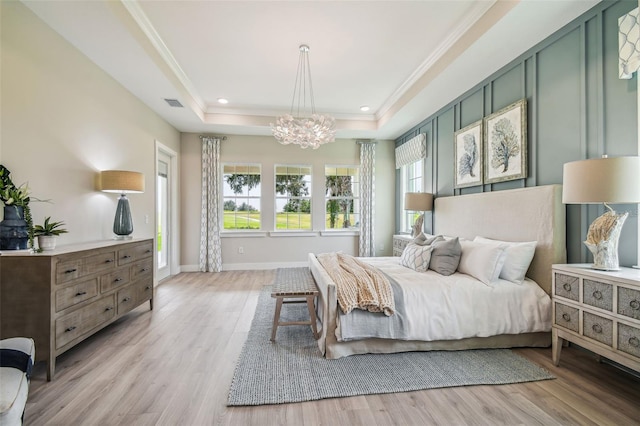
(517, 215)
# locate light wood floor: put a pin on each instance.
(173, 366)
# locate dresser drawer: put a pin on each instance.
(142, 268)
(134, 253)
(69, 296)
(127, 299)
(567, 317)
(629, 339)
(68, 270)
(100, 262)
(116, 279)
(144, 291)
(597, 294)
(75, 324)
(567, 286)
(597, 328)
(629, 302)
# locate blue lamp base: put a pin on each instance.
(123, 224)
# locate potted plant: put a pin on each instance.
(47, 233)
(16, 230)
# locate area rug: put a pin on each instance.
(292, 369)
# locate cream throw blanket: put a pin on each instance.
(359, 285)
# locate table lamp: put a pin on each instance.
(418, 202)
(121, 182)
(603, 180)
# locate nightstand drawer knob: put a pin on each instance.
(634, 304)
(73, 327)
(566, 317)
(597, 295)
(597, 328)
(635, 342)
(566, 286)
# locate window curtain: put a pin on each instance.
(415, 149)
(367, 198)
(629, 48)
(210, 245)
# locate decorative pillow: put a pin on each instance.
(482, 261)
(445, 256)
(416, 257)
(518, 258)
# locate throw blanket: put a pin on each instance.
(359, 285)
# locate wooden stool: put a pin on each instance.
(296, 284)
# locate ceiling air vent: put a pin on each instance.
(174, 103)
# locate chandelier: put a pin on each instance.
(305, 128)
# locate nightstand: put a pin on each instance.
(598, 310)
(400, 241)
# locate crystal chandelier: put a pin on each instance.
(304, 129)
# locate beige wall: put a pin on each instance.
(63, 119)
(266, 250)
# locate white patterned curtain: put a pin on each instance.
(629, 44)
(210, 246)
(367, 197)
(413, 150)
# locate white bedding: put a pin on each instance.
(438, 307)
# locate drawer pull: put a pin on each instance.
(597, 328)
(71, 271)
(597, 295)
(108, 308)
(634, 304)
(148, 287)
(126, 299)
(117, 280)
(566, 286)
(81, 293)
(68, 329)
(108, 261)
(148, 251)
(635, 342)
(126, 256)
(566, 317)
(144, 269)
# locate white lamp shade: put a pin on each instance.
(418, 201)
(602, 180)
(120, 181)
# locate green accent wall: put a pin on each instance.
(577, 108)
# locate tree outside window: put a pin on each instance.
(293, 197)
(241, 191)
(342, 185)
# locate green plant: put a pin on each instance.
(17, 196)
(49, 228)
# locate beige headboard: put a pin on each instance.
(526, 214)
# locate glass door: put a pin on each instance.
(163, 237)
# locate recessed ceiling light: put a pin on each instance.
(223, 101)
(364, 108)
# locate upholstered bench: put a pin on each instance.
(296, 285)
(16, 360)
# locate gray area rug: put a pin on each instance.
(291, 369)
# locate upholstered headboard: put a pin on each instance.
(526, 214)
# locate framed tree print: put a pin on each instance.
(468, 156)
(505, 138)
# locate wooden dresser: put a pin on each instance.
(597, 310)
(61, 297)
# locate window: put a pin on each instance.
(342, 190)
(293, 197)
(241, 191)
(411, 181)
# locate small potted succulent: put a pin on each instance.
(47, 233)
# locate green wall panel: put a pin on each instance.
(577, 108)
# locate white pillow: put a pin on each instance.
(482, 261)
(416, 257)
(518, 258)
